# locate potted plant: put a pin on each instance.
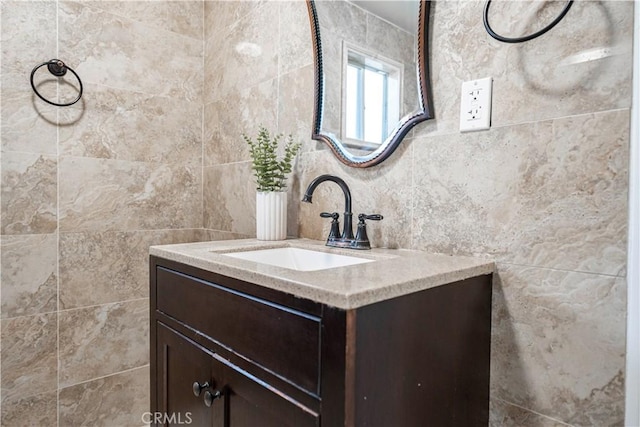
(271, 179)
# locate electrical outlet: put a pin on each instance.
(475, 105)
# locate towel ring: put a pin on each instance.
(58, 69)
(485, 19)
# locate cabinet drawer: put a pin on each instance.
(278, 338)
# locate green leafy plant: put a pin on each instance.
(271, 172)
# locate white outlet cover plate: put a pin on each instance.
(475, 105)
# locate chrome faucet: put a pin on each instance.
(344, 239)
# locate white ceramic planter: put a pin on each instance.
(271, 215)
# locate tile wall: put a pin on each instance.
(544, 192)
(85, 190)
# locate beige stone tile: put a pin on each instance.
(27, 125)
(101, 195)
(29, 274)
(549, 194)
(209, 235)
(230, 198)
(295, 46)
(125, 125)
(558, 343)
(582, 65)
(502, 414)
(113, 264)
(38, 410)
(90, 337)
(184, 17)
(295, 106)
(246, 56)
(342, 18)
(454, 59)
(181, 16)
(240, 112)
(129, 55)
(384, 189)
(29, 358)
(117, 400)
(564, 72)
(32, 45)
(222, 17)
(29, 204)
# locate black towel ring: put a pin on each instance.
(58, 69)
(525, 38)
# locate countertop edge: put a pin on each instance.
(283, 280)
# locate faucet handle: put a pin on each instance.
(335, 224)
(333, 215)
(362, 240)
(373, 217)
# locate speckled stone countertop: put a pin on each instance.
(394, 273)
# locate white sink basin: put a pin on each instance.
(299, 259)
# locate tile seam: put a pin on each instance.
(532, 411)
(562, 270)
(105, 376)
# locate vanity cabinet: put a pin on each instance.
(226, 352)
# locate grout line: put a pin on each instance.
(278, 76)
(32, 153)
(66, 310)
(84, 307)
(137, 230)
(563, 270)
(146, 365)
(532, 411)
(136, 92)
(58, 367)
(417, 136)
(112, 159)
(1, 161)
(36, 392)
(203, 116)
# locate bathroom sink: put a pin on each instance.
(299, 259)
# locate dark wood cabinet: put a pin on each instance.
(196, 386)
(181, 363)
(273, 360)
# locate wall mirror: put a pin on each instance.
(371, 75)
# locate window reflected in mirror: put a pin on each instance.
(372, 88)
(371, 82)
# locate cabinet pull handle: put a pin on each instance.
(210, 397)
(197, 387)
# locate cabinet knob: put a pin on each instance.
(197, 387)
(209, 397)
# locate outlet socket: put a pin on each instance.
(475, 105)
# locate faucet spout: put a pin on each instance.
(347, 231)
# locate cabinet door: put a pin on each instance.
(252, 402)
(181, 364)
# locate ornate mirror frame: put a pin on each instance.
(425, 107)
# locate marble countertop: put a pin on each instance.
(394, 273)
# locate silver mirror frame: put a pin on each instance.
(425, 108)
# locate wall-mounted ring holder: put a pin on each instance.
(58, 69)
(487, 26)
